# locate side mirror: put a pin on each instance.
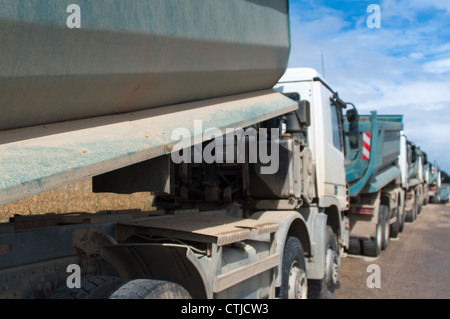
(353, 129)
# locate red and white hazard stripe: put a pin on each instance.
(366, 146)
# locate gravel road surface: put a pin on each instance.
(414, 266)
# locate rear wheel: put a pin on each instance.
(419, 204)
(150, 289)
(416, 208)
(325, 288)
(354, 247)
(411, 215)
(294, 284)
(372, 247)
(402, 219)
(395, 227)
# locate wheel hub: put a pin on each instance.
(298, 283)
(332, 266)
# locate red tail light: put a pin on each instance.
(364, 211)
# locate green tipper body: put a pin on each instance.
(79, 102)
(374, 165)
(134, 55)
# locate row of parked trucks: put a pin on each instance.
(390, 179)
(263, 176)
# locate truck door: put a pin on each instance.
(330, 164)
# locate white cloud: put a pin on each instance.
(439, 66)
(416, 56)
(393, 70)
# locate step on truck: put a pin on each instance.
(373, 176)
(249, 183)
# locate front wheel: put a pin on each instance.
(325, 288)
(294, 284)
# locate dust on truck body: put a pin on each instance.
(373, 175)
(326, 195)
(104, 101)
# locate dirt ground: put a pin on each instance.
(414, 266)
(76, 197)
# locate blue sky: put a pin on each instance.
(401, 68)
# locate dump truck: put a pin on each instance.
(434, 184)
(412, 166)
(177, 99)
(426, 178)
(445, 193)
(373, 176)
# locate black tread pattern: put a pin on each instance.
(370, 248)
(92, 287)
(354, 246)
(292, 251)
(150, 289)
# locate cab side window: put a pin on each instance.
(336, 123)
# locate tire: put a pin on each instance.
(384, 220)
(354, 246)
(372, 247)
(402, 219)
(395, 227)
(150, 289)
(325, 288)
(416, 208)
(294, 283)
(92, 287)
(411, 215)
(418, 202)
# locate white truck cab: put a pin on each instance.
(325, 133)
